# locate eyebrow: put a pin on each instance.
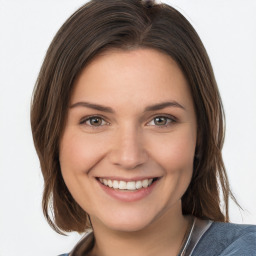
(102, 108)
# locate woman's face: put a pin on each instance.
(128, 146)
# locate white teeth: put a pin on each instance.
(110, 183)
(144, 183)
(131, 185)
(115, 184)
(123, 185)
(138, 184)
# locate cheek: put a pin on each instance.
(175, 152)
(78, 154)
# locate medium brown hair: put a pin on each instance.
(127, 24)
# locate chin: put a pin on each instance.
(126, 221)
(129, 225)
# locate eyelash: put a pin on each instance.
(171, 119)
(84, 120)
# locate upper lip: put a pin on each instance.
(127, 179)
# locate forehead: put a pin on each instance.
(124, 77)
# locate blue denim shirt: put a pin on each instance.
(226, 239)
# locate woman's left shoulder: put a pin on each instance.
(228, 239)
(237, 230)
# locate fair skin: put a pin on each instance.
(130, 142)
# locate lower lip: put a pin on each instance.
(126, 195)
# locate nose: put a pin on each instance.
(127, 148)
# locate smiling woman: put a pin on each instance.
(128, 126)
(151, 147)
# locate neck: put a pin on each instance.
(164, 236)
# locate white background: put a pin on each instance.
(228, 30)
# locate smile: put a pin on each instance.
(128, 190)
(127, 185)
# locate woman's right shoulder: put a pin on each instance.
(65, 254)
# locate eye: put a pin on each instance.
(94, 121)
(162, 121)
